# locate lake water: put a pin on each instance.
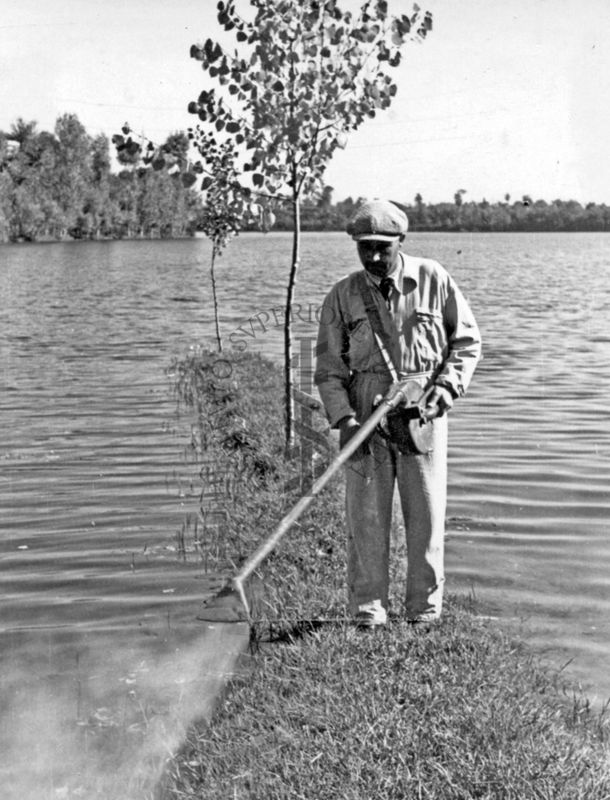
(96, 486)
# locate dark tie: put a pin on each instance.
(385, 287)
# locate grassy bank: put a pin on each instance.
(454, 712)
(446, 712)
(239, 405)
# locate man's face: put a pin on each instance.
(378, 257)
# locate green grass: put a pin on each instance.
(451, 711)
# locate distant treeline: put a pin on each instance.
(524, 214)
(59, 185)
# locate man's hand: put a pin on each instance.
(348, 428)
(438, 402)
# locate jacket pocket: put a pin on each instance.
(430, 338)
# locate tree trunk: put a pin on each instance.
(288, 383)
(215, 298)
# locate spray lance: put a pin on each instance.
(396, 396)
(223, 607)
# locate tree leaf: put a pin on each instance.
(258, 179)
(382, 8)
(206, 183)
(403, 24)
(188, 179)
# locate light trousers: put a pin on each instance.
(422, 486)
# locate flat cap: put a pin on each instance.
(378, 219)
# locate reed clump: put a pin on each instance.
(455, 710)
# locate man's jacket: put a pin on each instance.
(434, 337)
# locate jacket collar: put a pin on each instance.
(410, 272)
(407, 270)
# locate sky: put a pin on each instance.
(504, 97)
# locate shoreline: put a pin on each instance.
(413, 232)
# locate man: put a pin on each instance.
(402, 318)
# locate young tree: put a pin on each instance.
(311, 73)
(225, 207)
(228, 205)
